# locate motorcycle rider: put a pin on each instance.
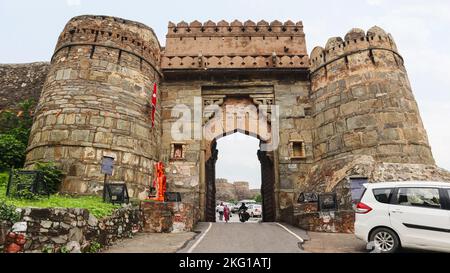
(243, 215)
(243, 207)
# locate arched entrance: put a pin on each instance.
(267, 183)
(244, 119)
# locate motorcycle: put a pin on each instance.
(244, 216)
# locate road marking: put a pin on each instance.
(292, 233)
(199, 239)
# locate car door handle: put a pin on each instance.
(397, 211)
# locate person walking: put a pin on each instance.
(226, 213)
(220, 209)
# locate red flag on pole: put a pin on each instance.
(153, 105)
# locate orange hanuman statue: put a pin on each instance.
(159, 183)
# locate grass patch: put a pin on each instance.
(94, 204)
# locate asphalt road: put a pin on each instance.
(251, 237)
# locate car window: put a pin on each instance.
(448, 199)
(383, 195)
(419, 197)
(357, 188)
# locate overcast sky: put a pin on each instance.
(29, 31)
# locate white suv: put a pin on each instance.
(405, 214)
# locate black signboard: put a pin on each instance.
(172, 197)
(308, 197)
(327, 202)
(116, 193)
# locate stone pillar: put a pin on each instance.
(96, 102)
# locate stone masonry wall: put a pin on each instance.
(167, 217)
(183, 175)
(363, 103)
(76, 229)
(97, 102)
(235, 45)
(20, 82)
(296, 124)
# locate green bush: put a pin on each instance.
(4, 180)
(12, 152)
(8, 213)
(48, 249)
(26, 194)
(94, 247)
(53, 176)
(8, 121)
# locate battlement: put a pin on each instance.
(112, 19)
(226, 45)
(224, 28)
(113, 33)
(356, 41)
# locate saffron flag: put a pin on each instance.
(154, 105)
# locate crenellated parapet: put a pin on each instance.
(224, 28)
(358, 48)
(122, 36)
(226, 45)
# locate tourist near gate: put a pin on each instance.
(346, 110)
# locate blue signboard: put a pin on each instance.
(107, 165)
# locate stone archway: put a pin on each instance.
(267, 184)
(244, 119)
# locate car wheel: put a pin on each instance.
(385, 240)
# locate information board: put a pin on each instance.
(107, 165)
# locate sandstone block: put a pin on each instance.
(80, 135)
(59, 135)
(352, 140)
(97, 121)
(391, 134)
(123, 125)
(360, 122)
(349, 108)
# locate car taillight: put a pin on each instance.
(362, 208)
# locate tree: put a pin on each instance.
(12, 152)
(15, 131)
(258, 198)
